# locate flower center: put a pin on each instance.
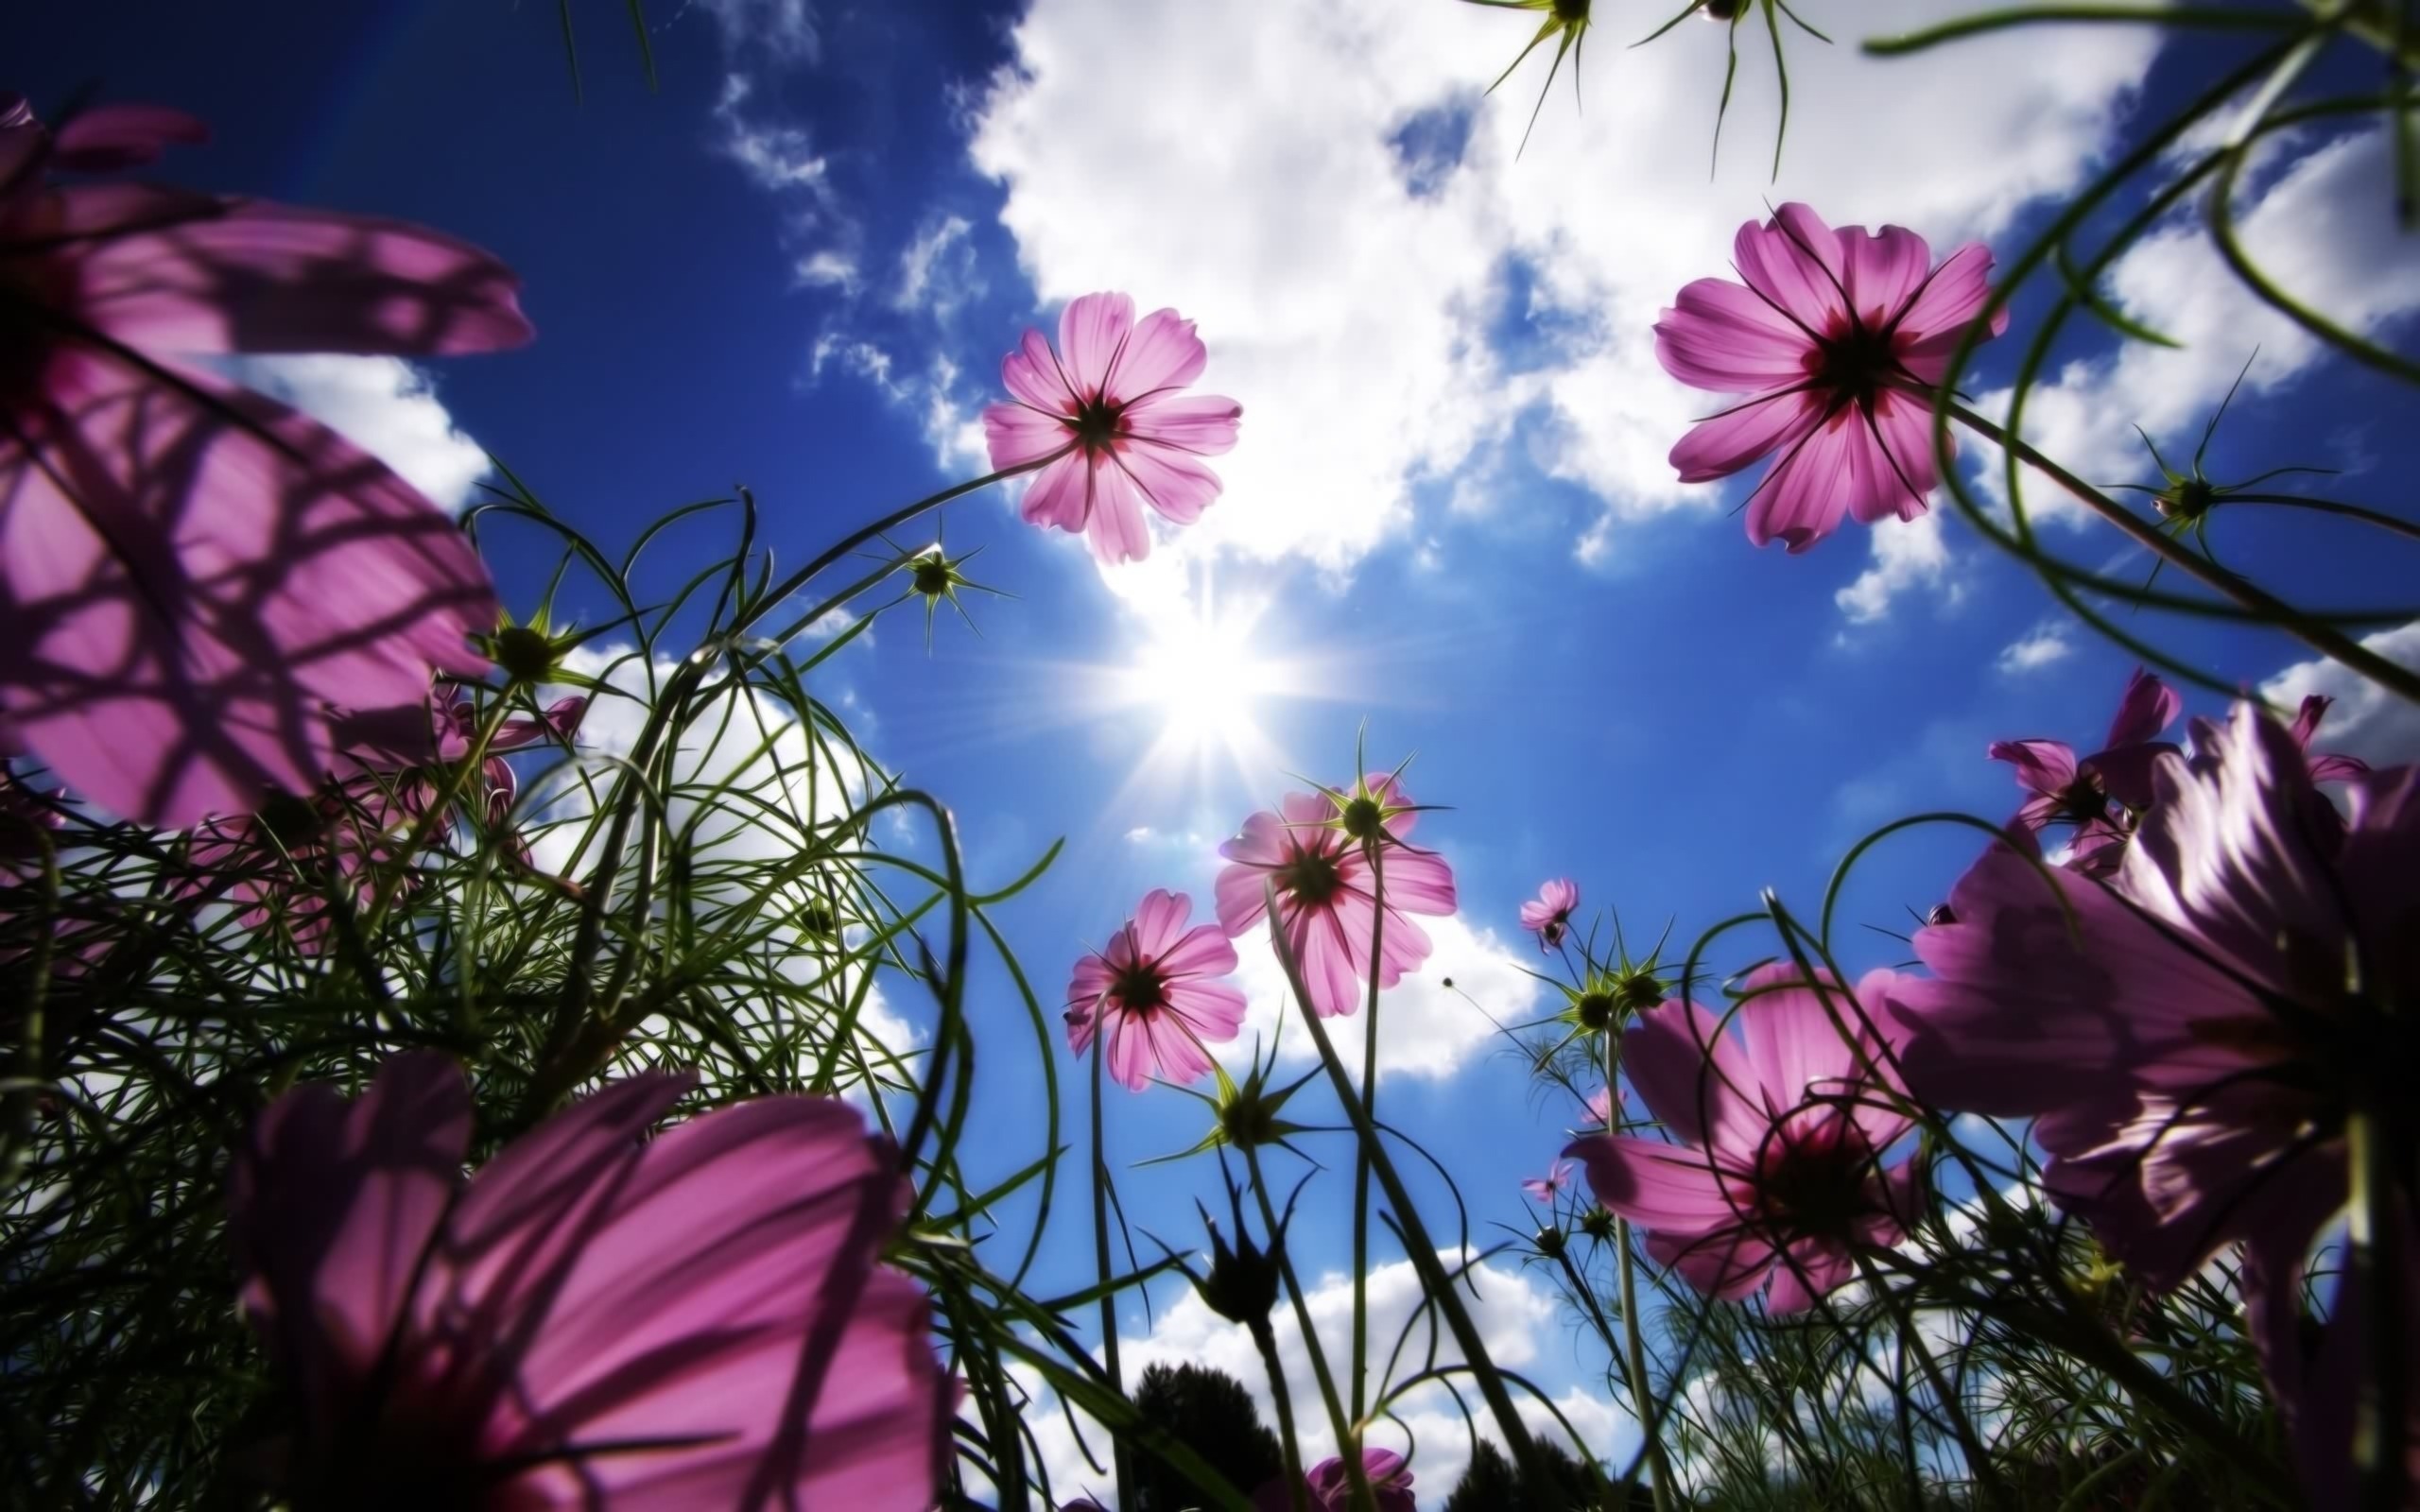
(1098, 424)
(1140, 989)
(1311, 877)
(1594, 1010)
(1363, 818)
(1852, 366)
(2086, 802)
(1814, 1181)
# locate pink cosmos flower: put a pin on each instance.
(595, 1319)
(1326, 897)
(2189, 1035)
(2325, 766)
(1833, 340)
(1331, 1487)
(390, 767)
(1545, 1188)
(1151, 991)
(190, 574)
(1106, 406)
(1549, 915)
(1777, 1173)
(2100, 794)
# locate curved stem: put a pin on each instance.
(2350, 511)
(1339, 1425)
(1634, 1347)
(1266, 1341)
(1117, 1455)
(2321, 638)
(1422, 1250)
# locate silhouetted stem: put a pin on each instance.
(1339, 1425)
(1101, 1259)
(2327, 640)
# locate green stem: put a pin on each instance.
(2378, 1421)
(1433, 1278)
(1635, 1360)
(1266, 1341)
(1369, 1115)
(1101, 1259)
(1978, 1459)
(1339, 1425)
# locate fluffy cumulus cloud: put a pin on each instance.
(384, 406)
(2366, 721)
(2046, 645)
(2322, 227)
(1349, 229)
(1518, 1319)
(1426, 1027)
(1910, 555)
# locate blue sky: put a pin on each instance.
(1449, 518)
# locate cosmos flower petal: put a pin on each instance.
(1159, 922)
(1162, 354)
(1881, 269)
(1721, 337)
(1205, 951)
(1793, 262)
(1808, 492)
(333, 1205)
(1114, 526)
(1061, 494)
(1177, 485)
(1718, 447)
(191, 576)
(260, 277)
(1203, 424)
(1093, 332)
(2145, 709)
(1017, 433)
(107, 138)
(1032, 374)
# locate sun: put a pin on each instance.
(1204, 676)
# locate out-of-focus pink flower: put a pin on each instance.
(192, 575)
(1777, 1173)
(1833, 340)
(1152, 992)
(1545, 1188)
(1106, 405)
(1331, 1487)
(279, 863)
(2190, 1034)
(1549, 915)
(595, 1319)
(2100, 794)
(1599, 1107)
(1327, 884)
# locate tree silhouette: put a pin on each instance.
(1212, 1413)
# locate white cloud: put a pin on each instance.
(1349, 297)
(1515, 1316)
(1906, 555)
(774, 32)
(2050, 642)
(384, 406)
(2367, 721)
(779, 157)
(937, 271)
(1424, 1027)
(2324, 229)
